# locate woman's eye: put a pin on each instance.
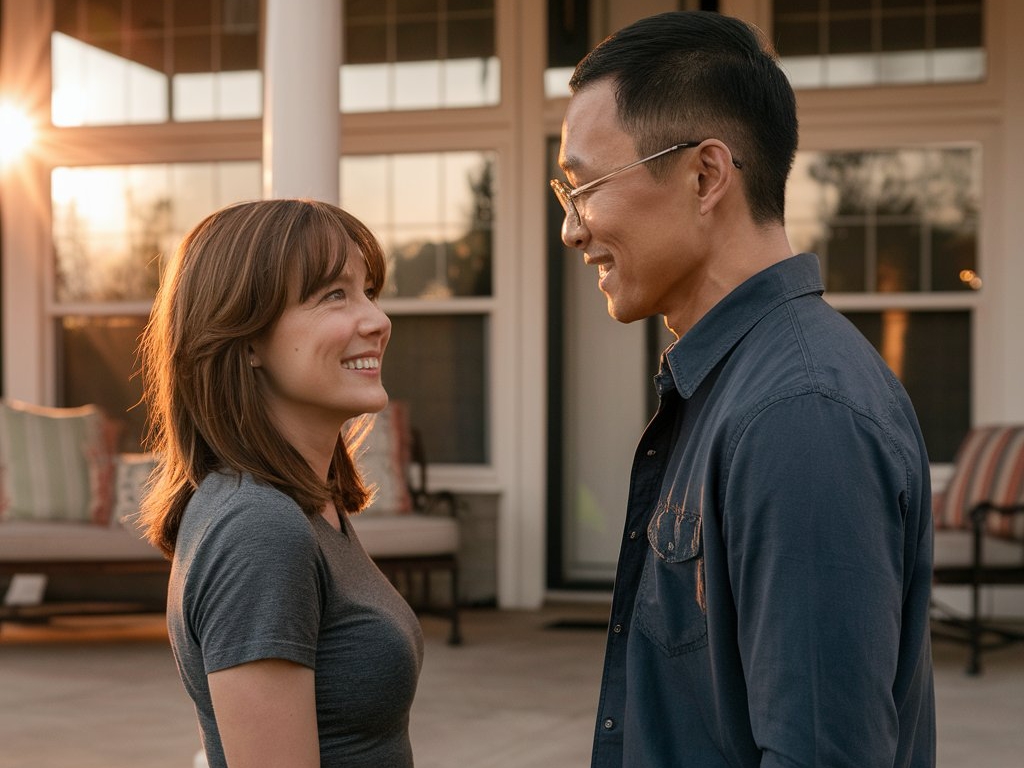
(371, 294)
(335, 295)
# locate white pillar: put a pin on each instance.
(27, 339)
(301, 99)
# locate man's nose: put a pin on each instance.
(574, 232)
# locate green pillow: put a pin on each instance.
(55, 463)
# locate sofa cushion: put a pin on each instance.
(406, 535)
(25, 540)
(56, 464)
(383, 459)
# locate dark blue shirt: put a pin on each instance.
(771, 599)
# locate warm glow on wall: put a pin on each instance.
(17, 133)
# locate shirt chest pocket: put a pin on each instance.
(670, 596)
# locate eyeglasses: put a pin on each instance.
(567, 195)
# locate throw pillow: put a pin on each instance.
(989, 466)
(55, 463)
(130, 485)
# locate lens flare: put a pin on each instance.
(17, 133)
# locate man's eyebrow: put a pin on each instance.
(570, 163)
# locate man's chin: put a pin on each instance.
(621, 313)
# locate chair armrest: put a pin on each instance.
(979, 514)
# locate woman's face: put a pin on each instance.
(319, 364)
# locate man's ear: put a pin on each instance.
(716, 173)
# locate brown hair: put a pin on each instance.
(228, 283)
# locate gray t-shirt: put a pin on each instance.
(255, 578)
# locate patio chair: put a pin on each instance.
(411, 532)
(982, 505)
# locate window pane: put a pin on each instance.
(798, 37)
(114, 225)
(97, 364)
(904, 33)
(899, 258)
(958, 30)
(438, 364)
(889, 221)
(895, 41)
(419, 54)
(433, 213)
(146, 61)
(930, 352)
(849, 35)
(845, 264)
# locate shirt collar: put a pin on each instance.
(685, 364)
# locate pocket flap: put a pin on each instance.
(675, 534)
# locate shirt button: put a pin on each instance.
(608, 724)
(633, 535)
(617, 628)
(651, 451)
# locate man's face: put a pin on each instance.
(633, 228)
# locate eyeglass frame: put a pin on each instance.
(567, 195)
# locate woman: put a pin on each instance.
(266, 338)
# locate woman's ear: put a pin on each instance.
(716, 173)
(254, 358)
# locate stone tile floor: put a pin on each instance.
(104, 693)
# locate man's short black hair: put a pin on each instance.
(694, 75)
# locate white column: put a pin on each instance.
(27, 339)
(521, 457)
(301, 99)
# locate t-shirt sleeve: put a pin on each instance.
(253, 590)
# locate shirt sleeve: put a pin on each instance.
(813, 524)
(253, 587)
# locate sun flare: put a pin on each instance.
(17, 132)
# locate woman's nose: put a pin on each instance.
(376, 321)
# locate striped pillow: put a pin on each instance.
(55, 463)
(989, 466)
(131, 482)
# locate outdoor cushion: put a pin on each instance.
(55, 463)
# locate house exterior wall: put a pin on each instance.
(512, 486)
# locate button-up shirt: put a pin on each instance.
(771, 599)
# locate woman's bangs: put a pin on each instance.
(321, 257)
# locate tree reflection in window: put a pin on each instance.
(434, 214)
(889, 221)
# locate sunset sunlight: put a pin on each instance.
(17, 133)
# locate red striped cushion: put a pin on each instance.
(383, 461)
(989, 466)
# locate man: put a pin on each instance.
(771, 599)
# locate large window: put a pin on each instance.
(152, 61)
(897, 235)
(419, 54)
(113, 226)
(834, 43)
